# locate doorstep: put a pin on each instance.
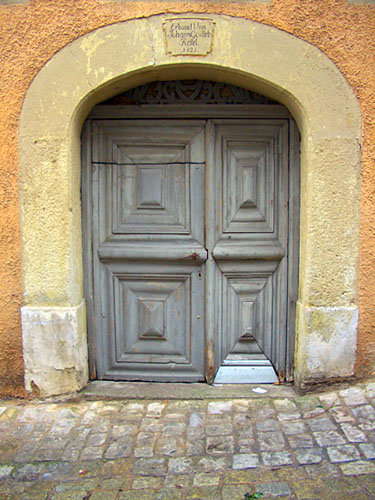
(111, 390)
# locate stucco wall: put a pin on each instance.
(30, 34)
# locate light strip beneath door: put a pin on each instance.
(256, 372)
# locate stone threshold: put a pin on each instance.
(110, 390)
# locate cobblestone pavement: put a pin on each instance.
(316, 446)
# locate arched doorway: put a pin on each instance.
(191, 195)
(243, 53)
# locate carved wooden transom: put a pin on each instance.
(188, 92)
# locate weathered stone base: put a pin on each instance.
(327, 350)
(55, 349)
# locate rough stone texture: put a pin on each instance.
(353, 396)
(49, 334)
(308, 456)
(275, 489)
(245, 461)
(331, 332)
(356, 468)
(368, 449)
(88, 449)
(277, 458)
(345, 453)
(32, 33)
(353, 434)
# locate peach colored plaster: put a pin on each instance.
(30, 34)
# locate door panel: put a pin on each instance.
(153, 183)
(147, 307)
(151, 198)
(156, 314)
(247, 302)
(250, 249)
(248, 185)
(189, 238)
(147, 201)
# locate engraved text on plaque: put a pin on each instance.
(189, 36)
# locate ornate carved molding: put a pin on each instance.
(189, 92)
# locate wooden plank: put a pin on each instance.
(189, 111)
(211, 317)
(88, 275)
(293, 243)
(281, 276)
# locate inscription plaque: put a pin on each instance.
(189, 36)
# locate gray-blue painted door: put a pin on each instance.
(190, 241)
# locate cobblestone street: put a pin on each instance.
(280, 444)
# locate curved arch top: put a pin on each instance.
(246, 53)
(115, 58)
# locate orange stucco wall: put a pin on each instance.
(30, 34)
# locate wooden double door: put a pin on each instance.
(190, 246)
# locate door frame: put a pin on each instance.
(245, 53)
(193, 111)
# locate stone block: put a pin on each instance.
(357, 468)
(328, 438)
(345, 453)
(271, 441)
(150, 467)
(306, 456)
(180, 465)
(245, 461)
(353, 434)
(368, 449)
(277, 458)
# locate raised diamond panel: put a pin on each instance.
(248, 186)
(151, 189)
(150, 307)
(150, 183)
(247, 315)
(247, 328)
(151, 319)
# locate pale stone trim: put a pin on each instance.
(10, 2)
(368, 2)
(55, 349)
(328, 337)
(115, 58)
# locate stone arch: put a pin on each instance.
(245, 53)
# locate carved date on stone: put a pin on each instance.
(189, 37)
